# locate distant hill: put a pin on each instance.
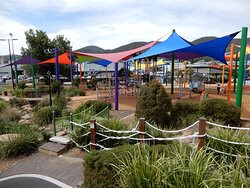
(96, 49)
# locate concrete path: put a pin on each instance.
(68, 170)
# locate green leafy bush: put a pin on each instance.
(5, 125)
(154, 104)
(18, 102)
(17, 93)
(43, 116)
(184, 113)
(221, 110)
(25, 142)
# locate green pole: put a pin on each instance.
(172, 74)
(241, 66)
(16, 74)
(235, 70)
(33, 73)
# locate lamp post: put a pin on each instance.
(12, 77)
(50, 98)
(14, 58)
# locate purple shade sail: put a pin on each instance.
(26, 59)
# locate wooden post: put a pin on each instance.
(71, 119)
(202, 131)
(142, 129)
(92, 134)
(54, 122)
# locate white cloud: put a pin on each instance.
(17, 29)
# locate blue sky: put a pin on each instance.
(111, 23)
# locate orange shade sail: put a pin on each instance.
(62, 59)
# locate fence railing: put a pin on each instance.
(139, 134)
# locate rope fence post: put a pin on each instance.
(142, 129)
(202, 131)
(54, 122)
(71, 120)
(92, 134)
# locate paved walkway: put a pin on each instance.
(121, 113)
(68, 170)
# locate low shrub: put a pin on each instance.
(5, 125)
(98, 106)
(3, 105)
(60, 101)
(71, 92)
(55, 85)
(21, 85)
(41, 104)
(221, 110)
(16, 93)
(18, 102)
(11, 114)
(43, 116)
(76, 82)
(184, 113)
(25, 142)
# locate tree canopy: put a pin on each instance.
(39, 44)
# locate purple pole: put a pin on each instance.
(116, 86)
(71, 69)
(57, 68)
(127, 74)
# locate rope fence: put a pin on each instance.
(139, 134)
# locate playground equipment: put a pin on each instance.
(198, 85)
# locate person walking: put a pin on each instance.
(218, 87)
(190, 89)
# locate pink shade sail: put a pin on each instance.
(118, 56)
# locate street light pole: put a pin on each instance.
(14, 59)
(12, 78)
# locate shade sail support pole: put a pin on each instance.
(57, 69)
(116, 86)
(230, 73)
(71, 67)
(235, 70)
(241, 66)
(172, 74)
(33, 72)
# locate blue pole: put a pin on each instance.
(116, 86)
(57, 68)
(71, 69)
(245, 72)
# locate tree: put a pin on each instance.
(38, 41)
(154, 104)
(121, 72)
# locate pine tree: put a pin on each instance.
(154, 104)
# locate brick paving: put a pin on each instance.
(68, 170)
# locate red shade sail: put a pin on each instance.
(62, 59)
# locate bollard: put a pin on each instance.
(92, 134)
(202, 131)
(71, 120)
(54, 122)
(142, 129)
